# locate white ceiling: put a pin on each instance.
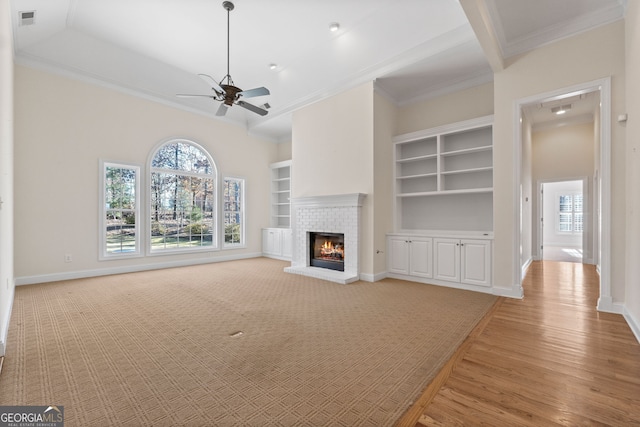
(413, 49)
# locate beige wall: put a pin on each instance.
(527, 233)
(385, 116)
(589, 56)
(6, 172)
(64, 127)
(284, 151)
(632, 296)
(443, 110)
(333, 154)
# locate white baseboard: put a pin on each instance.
(633, 323)
(4, 333)
(372, 277)
(514, 292)
(525, 267)
(607, 305)
(81, 274)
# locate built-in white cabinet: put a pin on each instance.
(440, 259)
(281, 194)
(462, 260)
(277, 243)
(411, 256)
(441, 173)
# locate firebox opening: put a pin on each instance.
(327, 250)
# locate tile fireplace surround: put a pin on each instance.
(330, 214)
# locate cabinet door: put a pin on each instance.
(271, 242)
(287, 242)
(447, 259)
(398, 250)
(476, 262)
(421, 257)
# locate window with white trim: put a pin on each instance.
(120, 213)
(569, 213)
(183, 198)
(233, 193)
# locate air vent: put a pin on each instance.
(27, 17)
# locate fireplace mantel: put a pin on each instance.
(338, 213)
(338, 200)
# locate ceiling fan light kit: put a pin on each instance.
(226, 91)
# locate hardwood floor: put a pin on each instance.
(549, 359)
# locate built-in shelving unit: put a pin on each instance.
(281, 194)
(444, 177)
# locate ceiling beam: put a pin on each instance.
(478, 16)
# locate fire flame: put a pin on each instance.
(328, 249)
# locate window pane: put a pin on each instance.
(578, 224)
(233, 211)
(577, 203)
(565, 222)
(182, 205)
(181, 156)
(566, 204)
(120, 210)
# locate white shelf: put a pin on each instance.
(453, 172)
(447, 192)
(418, 158)
(422, 175)
(281, 194)
(444, 177)
(467, 151)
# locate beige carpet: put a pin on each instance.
(234, 343)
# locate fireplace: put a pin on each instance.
(338, 214)
(326, 250)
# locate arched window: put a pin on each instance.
(183, 198)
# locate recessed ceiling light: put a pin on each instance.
(561, 109)
(334, 26)
(273, 66)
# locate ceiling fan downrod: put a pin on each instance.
(228, 6)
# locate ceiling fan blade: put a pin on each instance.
(188, 95)
(222, 110)
(253, 108)
(212, 82)
(259, 91)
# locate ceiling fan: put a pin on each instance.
(226, 91)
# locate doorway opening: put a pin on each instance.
(562, 221)
(599, 182)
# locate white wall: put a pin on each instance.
(632, 151)
(584, 58)
(63, 127)
(6, 172)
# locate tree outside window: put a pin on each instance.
(233, 211)
(120, 210)
(183, 182)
